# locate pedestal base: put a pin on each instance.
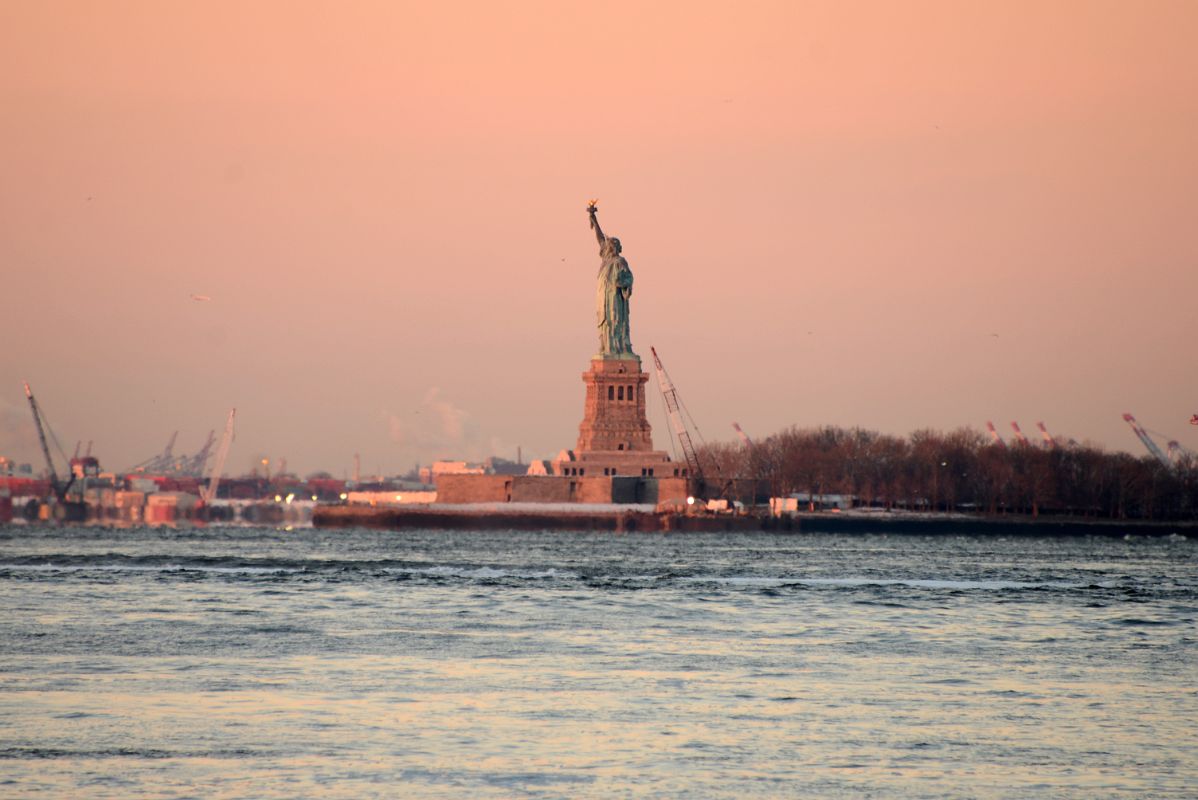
(624, 463)
(615, 438)
(614, 411)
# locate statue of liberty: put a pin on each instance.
(611, 295)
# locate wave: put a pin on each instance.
(70, 563)
(914, 583)
(45, 567)
(124, 752)
(142, 568)
(482, 573)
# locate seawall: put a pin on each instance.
(426, 517)
(397, 518)
(950, 525)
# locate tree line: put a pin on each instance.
(962, 470)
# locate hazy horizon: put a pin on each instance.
(892, 216)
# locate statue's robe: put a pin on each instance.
(611, 299)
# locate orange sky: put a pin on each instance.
(829, 209)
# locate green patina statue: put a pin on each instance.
(612, 294)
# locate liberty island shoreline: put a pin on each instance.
(614, 519)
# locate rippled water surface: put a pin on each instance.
(244, 662)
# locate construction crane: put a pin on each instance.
(994, 435)
(1019, 437)
(1143, 436)
(744, 437)
(674, 411)
(1049, 442)
(59, 489)
(208, 493)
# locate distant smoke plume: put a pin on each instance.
(438, 428)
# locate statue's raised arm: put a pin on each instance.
(593, 209)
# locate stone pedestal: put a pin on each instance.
(614, 412)
(615, 438)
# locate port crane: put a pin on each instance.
(1019, 437)
(60, 489)
(164, 461)
(998, 442)
(1049, 442)
(674, 411)
(744, 437)
(161, 462)
(168, 462)
(208, 493)
(194, 465)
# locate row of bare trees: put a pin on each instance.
(957, 471)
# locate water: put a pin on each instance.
(347, 664)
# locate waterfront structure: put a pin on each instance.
(429, 474)
(614, 437)
(613, 460)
